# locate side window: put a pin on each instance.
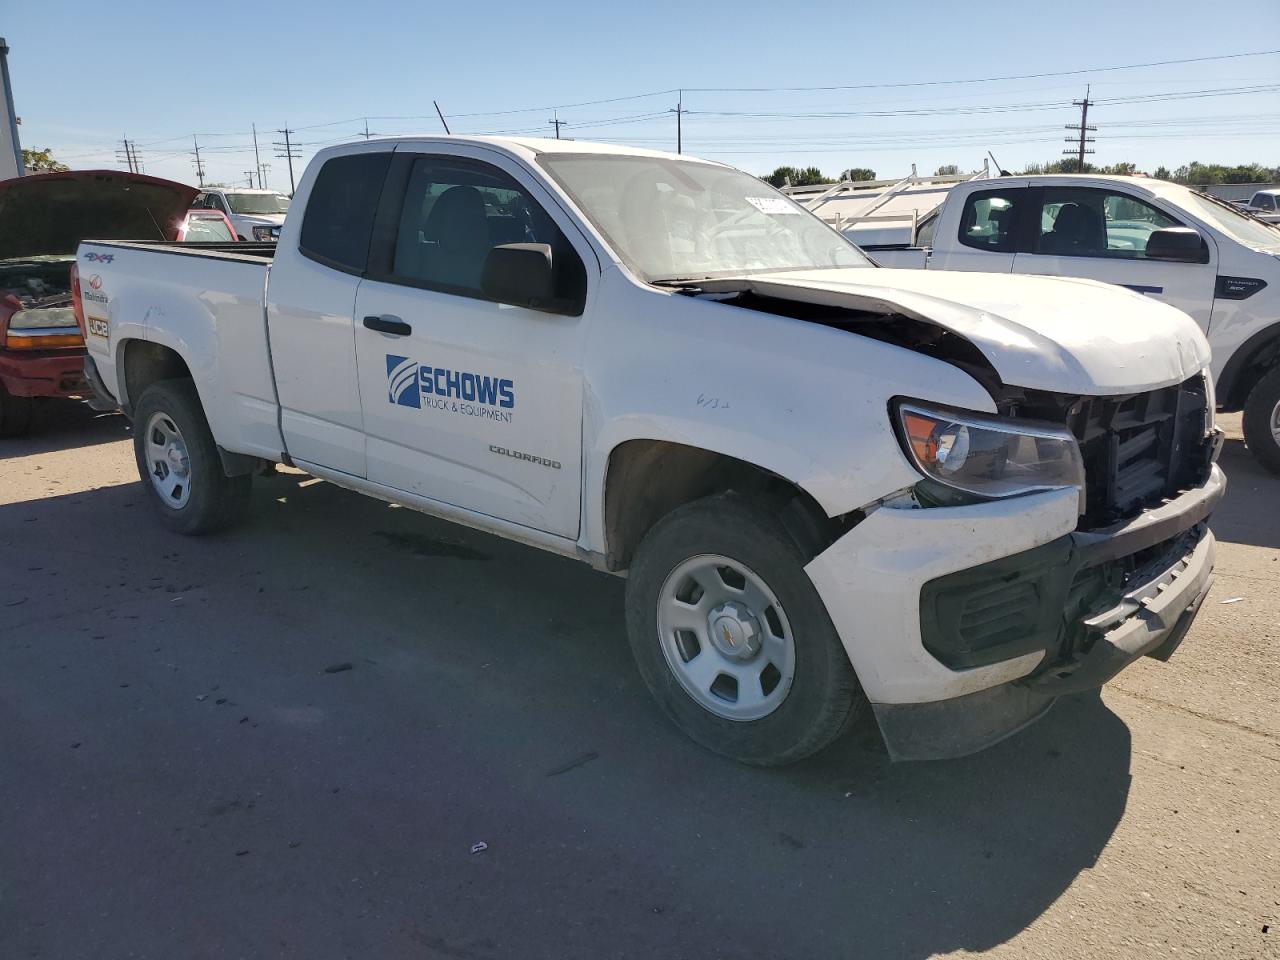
(340, 210)
(1265, 201)
(987, 221)
(925, 229)
(455, 212)
(1082, 222)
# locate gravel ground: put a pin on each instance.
(287, 741)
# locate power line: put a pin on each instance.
(1021, 76)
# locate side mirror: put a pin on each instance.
(1180, 244)
(519, 274)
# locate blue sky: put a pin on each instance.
(87, 74)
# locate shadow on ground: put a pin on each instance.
(181, 775)
(1237, 519)
(62, 425)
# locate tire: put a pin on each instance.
(185, 479)
(1262, 421)
(15, 414)
(802, 705)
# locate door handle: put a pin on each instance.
(388, 324)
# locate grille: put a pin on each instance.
(1138, 450)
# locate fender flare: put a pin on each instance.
(1266, 339)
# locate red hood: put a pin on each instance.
(50, 213)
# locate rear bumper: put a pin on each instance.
(1091, 603)
(52, 373)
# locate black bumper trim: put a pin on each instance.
(99, 399)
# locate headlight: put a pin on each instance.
(987, 457)
(40, 318)
(43, 329)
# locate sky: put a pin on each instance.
(87, 75)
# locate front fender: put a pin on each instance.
(807, 402)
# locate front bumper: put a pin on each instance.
(44, 373)
(881, 580)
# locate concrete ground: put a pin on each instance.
(182, 776)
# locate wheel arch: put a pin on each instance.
(140, 363)
(647, 478)
(1246, 366)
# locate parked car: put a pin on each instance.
(957, 497)
(207, 226)
(1265, 205)
(1164, 241)
(255, 214)
(42, 219)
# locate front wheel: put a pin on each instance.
(179, 463)
(731, 637)
(1262, 421)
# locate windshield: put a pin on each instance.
(683, 220)
(207, 228)
(1236, 224)
(258, 202)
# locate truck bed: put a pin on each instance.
(221, 250)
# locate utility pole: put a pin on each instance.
(249, 175)
(257, 161)
(366, 128)
(262, 176)
(126, 154)
(1083, 131)
(557, 123)
(199, 165)
(444, 123)
(679, 112)
(287, 151)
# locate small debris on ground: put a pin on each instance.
(1233, 600)
(479, 847)
(202, 696)
(338, 668)
(241, 853)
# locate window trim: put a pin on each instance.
(326, 261)
(380, 262)
(1032, 234)
(1016, 231)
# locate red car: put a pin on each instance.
(42, 219)
(207, 226)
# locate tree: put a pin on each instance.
(1162, 173)
(41, 161)
(858, 174)
(796, 176)
(947, 170)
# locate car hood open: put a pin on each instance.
(50, 213)
(1065, 335)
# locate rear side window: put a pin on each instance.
(341, 208)
(987, 221)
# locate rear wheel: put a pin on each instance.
(15, 414)
(1262, 421)
(179, 463)
(731, 637)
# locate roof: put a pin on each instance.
(529, 147)
(235, 189)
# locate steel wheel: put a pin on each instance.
(726, 638)
(1275, 423)
(168, 464)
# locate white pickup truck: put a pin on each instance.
(955, 497)
(1202, 255)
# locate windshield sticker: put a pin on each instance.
(773, 205)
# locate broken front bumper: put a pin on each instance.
(966, 623)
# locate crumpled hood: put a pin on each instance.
(50, 213)
(1065, 335)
